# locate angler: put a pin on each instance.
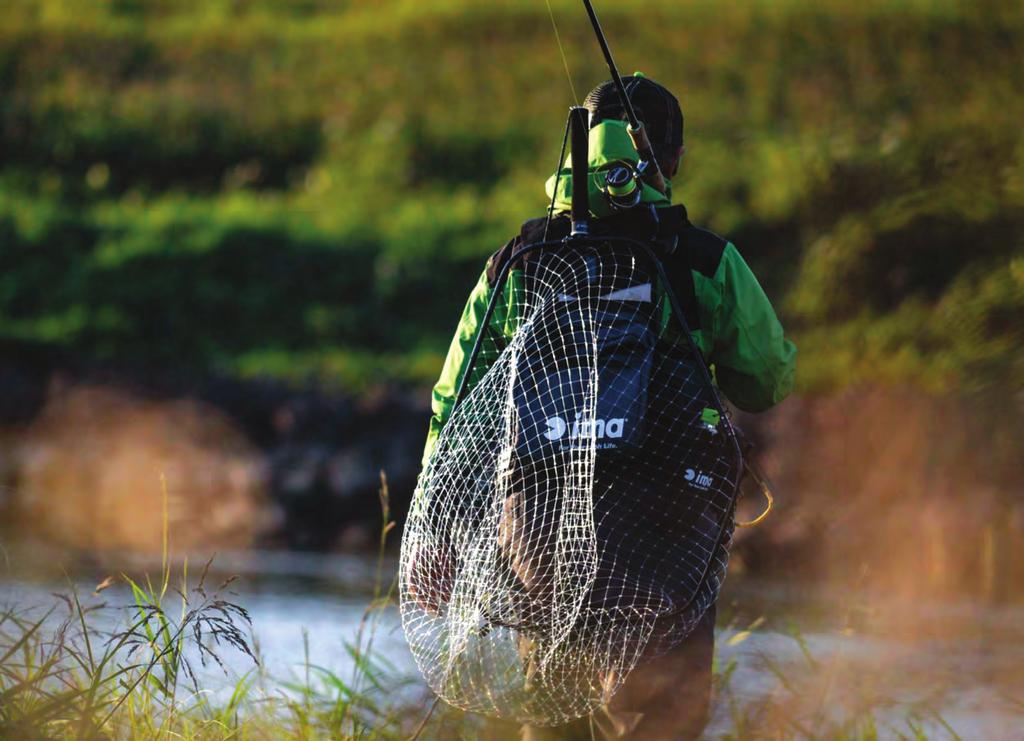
(548, 571)
(730, 319)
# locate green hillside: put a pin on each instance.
(309, 188)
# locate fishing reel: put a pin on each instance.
(622, 184)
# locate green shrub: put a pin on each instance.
(250, 179)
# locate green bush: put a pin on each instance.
(222, 183)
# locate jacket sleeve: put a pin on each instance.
(447, 386)
(754, 362)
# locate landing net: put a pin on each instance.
(576, 513)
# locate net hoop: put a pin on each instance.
(564, 528)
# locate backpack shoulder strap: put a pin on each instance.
(675, 250)
(681, 246)
(532, 231)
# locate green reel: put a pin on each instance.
(621, 185)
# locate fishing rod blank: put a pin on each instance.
(648, 162)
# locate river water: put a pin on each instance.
(810, 655)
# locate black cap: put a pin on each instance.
(654, 105)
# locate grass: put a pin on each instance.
(68, 678)
(83, 669)
(812, 700)
(62, 675)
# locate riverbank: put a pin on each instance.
(909, 492)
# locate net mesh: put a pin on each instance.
(576, 513)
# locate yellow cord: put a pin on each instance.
(757, 520)
(561, 50)
(766, 489)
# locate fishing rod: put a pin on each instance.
(648, 166)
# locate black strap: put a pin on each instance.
(665, 228)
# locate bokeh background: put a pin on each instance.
(236, 235)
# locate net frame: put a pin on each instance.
(556, 685)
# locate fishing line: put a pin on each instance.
(561, 51)
(565, 135)
(558, 176)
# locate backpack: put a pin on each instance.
(576, 514)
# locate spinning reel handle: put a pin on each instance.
(650, 170)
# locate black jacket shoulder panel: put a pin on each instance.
(704, 249)
(531, 232)
(497, 260)
(696, 249)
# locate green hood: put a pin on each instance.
(609, 142)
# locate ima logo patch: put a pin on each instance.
(698, 479)
(598, 428)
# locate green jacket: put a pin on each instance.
(734, 324)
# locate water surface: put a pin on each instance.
(812, 650)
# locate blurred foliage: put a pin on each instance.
(309, 187)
